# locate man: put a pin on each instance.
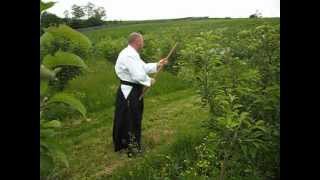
(133, 74)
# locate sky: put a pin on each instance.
(170, 9)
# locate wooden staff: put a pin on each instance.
(146, 88)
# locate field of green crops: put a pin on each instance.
(213, 113)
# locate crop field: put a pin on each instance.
(214, 113)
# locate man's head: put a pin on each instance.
(136, 40)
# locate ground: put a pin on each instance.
(90, 152)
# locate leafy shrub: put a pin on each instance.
(232, 89)
(65, 39)
(71, 66)
(50, 151)
(62, 42)
(109, 48)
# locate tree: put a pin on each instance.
(99, 13)
(89, 9)
(50, 151)
(77, 11)
(66, 14)
(257, 14)
(48, 19)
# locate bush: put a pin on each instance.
(242, 97)
(110, 48)
(48, 19)
(66, 39)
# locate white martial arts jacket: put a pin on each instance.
(130, 67)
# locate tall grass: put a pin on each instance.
(97, 88)
(167, 162)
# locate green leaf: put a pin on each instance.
(47, 133)
(61, 156)
(253, 153)
(69, 100)
(56, 151)
(244, 115)
(261, 128)
(257, 145)
(46, 164)
(43, 88)
(63, 59)
(44, 6)
(45, 73)
(259, 123)
(52, 124)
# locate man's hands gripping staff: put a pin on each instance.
(160, 65)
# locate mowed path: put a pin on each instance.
(89, 144)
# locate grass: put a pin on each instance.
(88, 142)
(97, 88)
(186, 26)
(89, 145)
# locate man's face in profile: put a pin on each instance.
(141, 42)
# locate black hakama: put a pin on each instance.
(127, 118)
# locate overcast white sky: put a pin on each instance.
(167, 9)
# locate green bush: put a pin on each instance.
(242, 96)
(66, 39)
(109, 48)
(71, 43)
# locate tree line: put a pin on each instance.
(79, 17)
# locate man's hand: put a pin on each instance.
(162, 62)
(153, 81)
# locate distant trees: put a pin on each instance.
(48, 19)
(66, 14)
(79, 17)
(99, 13)
(77, 11)
(257, 14)
(89, 9)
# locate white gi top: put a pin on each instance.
(130, 67)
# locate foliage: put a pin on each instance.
(257, 14)
(77, 11)
(70, 64)
(50, 151)
(66, 39)
(44, 6)
(75, 47)
(110, 48)
(49, 19)
(69, 100)
(232, 88)
(233, 64)
(91, 88)
(61, 58)
(89, 9)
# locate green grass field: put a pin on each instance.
(172, 117)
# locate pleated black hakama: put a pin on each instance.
(127, 118)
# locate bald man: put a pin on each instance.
(133, 74)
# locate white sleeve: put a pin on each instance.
(138, 72)
(150, 67)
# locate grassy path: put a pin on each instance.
(89, 144)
